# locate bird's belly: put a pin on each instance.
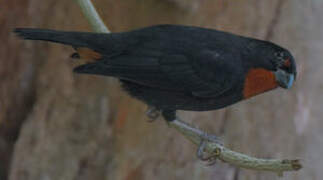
(172, 100)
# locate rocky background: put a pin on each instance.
(56, 125)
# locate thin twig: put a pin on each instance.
(92, 16)
(235, 158)
(194, 134)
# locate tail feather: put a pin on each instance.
(95, 41)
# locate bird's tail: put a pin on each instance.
(88, 45)
(75, 39)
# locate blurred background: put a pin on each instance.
(57, 125)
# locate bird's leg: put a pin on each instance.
(152, 113)
(169, 115)
(198, 136)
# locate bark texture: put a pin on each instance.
(58, 125)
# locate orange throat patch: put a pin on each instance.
(257, 81)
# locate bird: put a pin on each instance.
(178, 67)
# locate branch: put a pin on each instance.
(92, 16)
(194, 134)
(235, 158)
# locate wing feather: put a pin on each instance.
(201, 75)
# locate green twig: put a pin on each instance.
(194, 134)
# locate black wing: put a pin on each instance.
(204, 74)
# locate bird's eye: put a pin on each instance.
(280, 55)
(281, 59)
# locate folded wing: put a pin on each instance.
(205, 74)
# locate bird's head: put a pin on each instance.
(269, 66)
(285, 68)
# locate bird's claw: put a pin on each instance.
(211, 159)
(152, 113)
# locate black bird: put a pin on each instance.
(174, 67)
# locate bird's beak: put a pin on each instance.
(284, 79)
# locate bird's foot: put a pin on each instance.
(197, 136)
(210, 159)
(152, 113)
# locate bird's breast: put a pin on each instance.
(257, 81)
